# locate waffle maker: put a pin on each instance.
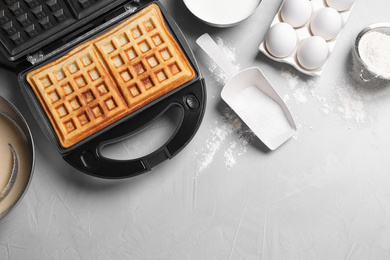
(35, 33)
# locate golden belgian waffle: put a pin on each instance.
(110, 76)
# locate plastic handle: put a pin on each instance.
(213, 50)
(87, 158)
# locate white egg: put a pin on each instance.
(340, 5)
(312, 52)
(326, 23)
(296, 12)
(281, 40)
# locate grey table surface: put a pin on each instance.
(324, 194)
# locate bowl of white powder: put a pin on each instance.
(372, 49)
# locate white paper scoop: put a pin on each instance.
(253, 98)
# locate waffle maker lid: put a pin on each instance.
(28, 25)
(86, 156)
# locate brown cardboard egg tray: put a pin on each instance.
(304, 32)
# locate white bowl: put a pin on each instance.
(222, 13)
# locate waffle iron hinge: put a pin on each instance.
(132, 6)
(35, 58)
(84, 33)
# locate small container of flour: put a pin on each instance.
(373, 51)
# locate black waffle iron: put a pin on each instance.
(37, 32)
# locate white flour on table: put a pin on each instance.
(228, 134)
(230, 52)
(347, 100)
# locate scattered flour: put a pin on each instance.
(301, 88)
(219, 76)
(300, 96)
(230, 52)
(347, 100)
(325, 106)
(223, 136)
(350, 104)
(230, 156)
(299, 127)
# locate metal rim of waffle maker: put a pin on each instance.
(86, 155)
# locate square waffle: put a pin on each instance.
(110, 76)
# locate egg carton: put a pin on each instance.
(303, 33)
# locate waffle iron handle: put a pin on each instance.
(88, 159)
